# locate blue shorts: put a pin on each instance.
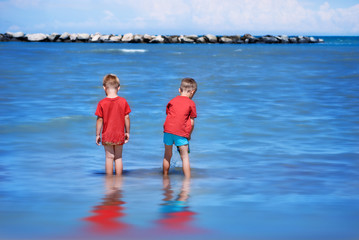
(170, 139)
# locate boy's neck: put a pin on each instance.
(186, 94)
(111, 94)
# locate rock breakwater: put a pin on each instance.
(146, 38)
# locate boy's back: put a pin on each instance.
(113, 112)
(179, 112)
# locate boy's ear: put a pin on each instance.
(104, 88)
(179, 90)
(118, 89)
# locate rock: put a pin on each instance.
(269, 39)
(128, 37)
(158, 39)
(253, 40)
(173, 39)
(283, 38)
(73, 37)
(115, 39)
(3, 38)
(138, 38)
(95, 37)
(225, 40)
(53, 37)
(15, 35)
(84, 37)
(201, 40)
(64, 36)
(105, 38)
(235, 38)
(313, 40)
(36, 37)
(167, 39)
(239, 41)
(293, 40)
(184, 39)
(147, 38)
(193, 37)
(246, 36)
(302, 39)
(211, 38)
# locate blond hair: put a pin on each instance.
(188, 84)
(111, 81)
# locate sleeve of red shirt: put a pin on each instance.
(193, 113)
(99, 112)
(127, 109)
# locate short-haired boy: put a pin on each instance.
(179, 124)
(113, 118)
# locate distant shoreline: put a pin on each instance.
(146, 38)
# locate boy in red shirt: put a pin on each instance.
(113, 117)
(179, 124)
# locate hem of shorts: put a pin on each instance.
(112, 144)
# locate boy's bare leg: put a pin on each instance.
(167, 159)
(118, 159)
(185, 160)
(110, 157)
(184, 194)
(168, 193)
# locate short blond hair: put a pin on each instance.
(188, 84)
(111, 81)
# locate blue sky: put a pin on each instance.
(258, 17)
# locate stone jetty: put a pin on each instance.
(146, 38)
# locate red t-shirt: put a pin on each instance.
(179, 112)
(113, 112)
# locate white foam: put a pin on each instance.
(125, 50)
(121, 50)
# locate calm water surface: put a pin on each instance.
(274, 154)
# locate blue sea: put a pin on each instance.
(274, 153)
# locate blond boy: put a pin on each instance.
(113, 118)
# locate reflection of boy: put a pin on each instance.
(179, 125)
(176, 213)
(106, 216)
(113, 117)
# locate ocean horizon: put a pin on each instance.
(274, 153)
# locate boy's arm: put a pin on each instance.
(127, 128)
(192, 127)
(99, 123)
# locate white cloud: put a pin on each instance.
(13, 28)
(109, 16)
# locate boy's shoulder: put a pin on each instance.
(182, 99)
(118, 98)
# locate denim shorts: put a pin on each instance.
(170, 139)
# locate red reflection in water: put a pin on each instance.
(177, 216)
(106, 216)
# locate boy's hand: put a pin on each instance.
(189, 138)
(98, 140)
(127, 137)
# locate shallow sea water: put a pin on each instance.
(274, 153)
